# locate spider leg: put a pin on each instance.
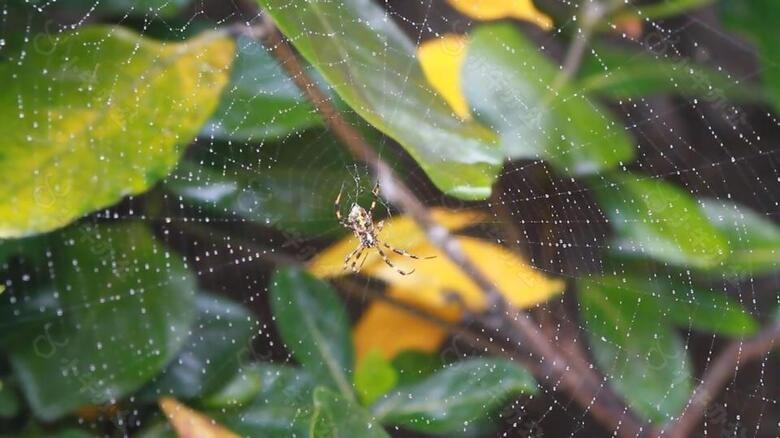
(406, 254)
(355, 252)
(349, 256)
(375, 193)
(337, 207)
(354, 267)
(384, 257)
(362, 262)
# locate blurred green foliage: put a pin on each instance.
(100, 314)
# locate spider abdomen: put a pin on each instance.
(359, 220)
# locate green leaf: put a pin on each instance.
(282, 409)
(9, 401)
(753, 238)
(288, 186)
(374, 377)
(119, 8)
(413, 365)
(686, 305)
(660, 9)
(757, 19)
(117, 311)
(622, 74)
(460, 394)
(97, 114)
(159, 429)
(261, 102)
(508, 83)
(314, 326)
(29, 249)
(637, 349)
(211, 354)
(239, 391)
(656, 219)
(336, 416)
(70, 433)
(371, 65)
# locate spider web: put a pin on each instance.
(286, 185)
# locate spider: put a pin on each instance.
(362, 224)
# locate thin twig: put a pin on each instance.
(722, 370)
(609, 410)
(589, 17)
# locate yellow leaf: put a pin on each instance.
(191, 424)
(441, 60)
(393, 330)
(440, 286)
(497, 9)
(437, 286)
(400, 232)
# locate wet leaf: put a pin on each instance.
(189, 423)
(365, 57)
(211, 354)
(278, 185)
(757, 19)
(239, 391)
(508, 83)
(622, 74)
(394, 330)
(84, 326)
(637, 349)
(656, 219)
(753, 238)
(439, 58)
(441, 287)
(314, 326)
(261, 102)
(687, 306)
(661, 9)
(498, 9)
(9, 401)
(282, 409)
(336, 416)
(447, 401)
(374, 377)
(119, 8)
(414, 365)
(97, 114)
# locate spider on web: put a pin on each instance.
(361, 222)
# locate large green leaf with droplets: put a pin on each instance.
(757, 20)
(636, 345)
(509, 85)
(656, 219)
(371, 65)
(97, 114)
(110, 311)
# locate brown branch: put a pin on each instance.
(718, 375)
(552, 367)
